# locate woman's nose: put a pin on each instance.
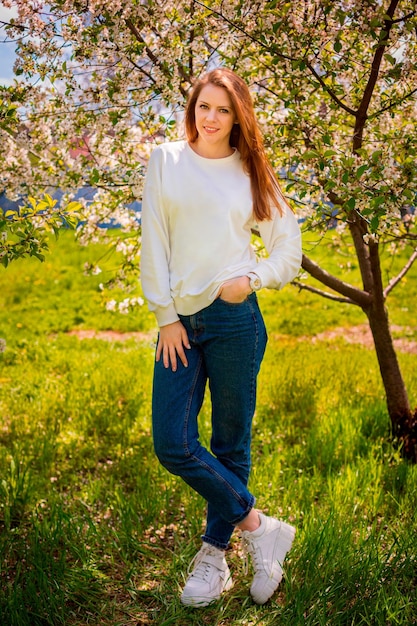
(211, 114)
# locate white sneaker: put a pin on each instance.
(267, 546)
(210, 576)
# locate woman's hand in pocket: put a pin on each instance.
(235, 290)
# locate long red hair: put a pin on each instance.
(245, 136)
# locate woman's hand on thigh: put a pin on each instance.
(172, 340)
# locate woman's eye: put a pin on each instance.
(224, 110)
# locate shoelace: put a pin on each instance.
(248, 548)
(199, 568)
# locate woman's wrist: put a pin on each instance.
(255, 282)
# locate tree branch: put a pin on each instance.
(329, 91)
(404, 18)
(393, 104)
(273, 51)
(394, 281)
(357, 296)
(362, 112)
(244, 32)
(153, 58)
(323, 294)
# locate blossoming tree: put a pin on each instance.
(335, 86)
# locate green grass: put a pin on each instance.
(94, 531)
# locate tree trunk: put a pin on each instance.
(397, 398)
(403, 422)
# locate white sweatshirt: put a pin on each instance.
(196, 232)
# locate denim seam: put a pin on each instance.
(222, 480)
(236, 495)
(256, 343)
(188, 408)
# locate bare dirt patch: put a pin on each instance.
(112, 335)
(362, 334)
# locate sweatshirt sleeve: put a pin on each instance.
(282, 239)
(155, 252)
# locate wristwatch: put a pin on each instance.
(255, 282)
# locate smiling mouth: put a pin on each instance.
(210, 129)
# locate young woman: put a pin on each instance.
(200, 276)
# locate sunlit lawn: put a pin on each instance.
(93, 531)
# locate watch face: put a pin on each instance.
(255, 283)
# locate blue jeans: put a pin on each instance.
(227, 346)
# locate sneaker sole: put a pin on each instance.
(202, 601)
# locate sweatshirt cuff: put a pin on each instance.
(166, 315)
(268, 279)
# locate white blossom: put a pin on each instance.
(370, 238)
(111, 305)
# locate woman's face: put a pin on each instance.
(214, 117)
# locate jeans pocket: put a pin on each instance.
(229, 303)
